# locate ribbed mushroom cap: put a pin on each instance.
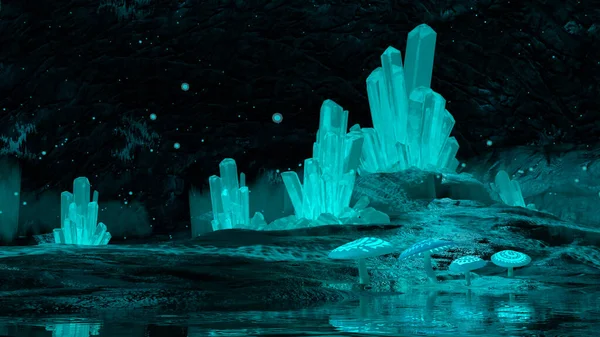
(510, 258)
(466, 264)
(362, 248)
(431, 245)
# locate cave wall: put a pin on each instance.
(79, 80)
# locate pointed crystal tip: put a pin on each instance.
(422, 30)
(391, 50)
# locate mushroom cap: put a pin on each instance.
(466, 264)
(431, 245)
(362, 248)
(510, 258)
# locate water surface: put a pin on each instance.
(574, 313)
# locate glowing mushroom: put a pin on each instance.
(465, 265)
(361, 249)
(510, 259)
(425, 247)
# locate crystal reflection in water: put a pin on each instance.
(433, 313)
(440, 314)
(74, 329)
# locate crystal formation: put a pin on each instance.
(79, 217)
(411, 126)
(230, 199)
(360, 214)
(509, 190)
(329, 175)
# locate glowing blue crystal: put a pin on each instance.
(79, 217)
(429, 126)
(329, 175)
(411, 126)
(230, 199)
(418, 61)
(509, 190)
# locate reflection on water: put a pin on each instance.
(74, 329)
(418, 314)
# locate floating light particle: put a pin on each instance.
(489, 143)
(277, 118)
(153, 117)
(176, 146)
(185, 86)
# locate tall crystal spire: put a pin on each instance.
(418, 61)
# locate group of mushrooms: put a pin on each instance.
(367, 247)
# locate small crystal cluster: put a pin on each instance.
(230, 199)
(508, 190)
(359, 214)
(79, 217)
(329, 175)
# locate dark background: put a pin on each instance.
(80, 78)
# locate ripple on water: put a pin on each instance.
(414, 314)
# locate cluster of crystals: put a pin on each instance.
(79, 217)
(329, 175)
(509, 190)
(411, 127)
(359, 214)
(230, 199)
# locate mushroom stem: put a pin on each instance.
(510, 272)
(468, 278)
(363, 274)
(428, 267)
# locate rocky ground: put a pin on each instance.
(238, 269)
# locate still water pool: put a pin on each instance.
(574, 313)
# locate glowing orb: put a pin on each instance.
(153, 117)
(277, 117)
(185, 86)
(176, 146)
